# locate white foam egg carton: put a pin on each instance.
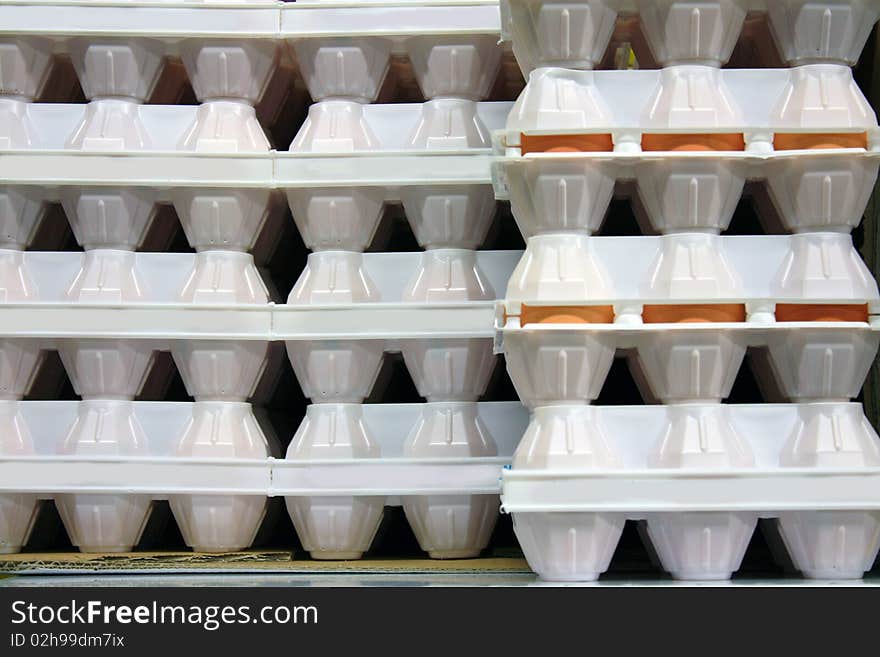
(145, 451)
(561, 269)
(814, 186)
(574, 301)
(687, 99)
(37, 152)
(576, 33)
(248, 19)
(686, 363)
(45, 310)
(221, 139)
(809, 190)
(231, 49)
(700, 476)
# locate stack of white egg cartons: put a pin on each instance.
(110, 163)
(337, 214)
(108, 310)
(685, 302)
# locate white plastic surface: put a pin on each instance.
(218, 495)
(99, 523)
(261, 20)
(575, 269)
(167, 162)
(687, 363)
(812, 190)
(576, 33)
(821, 189)
(687, 99)
(451, 526)
(160, 470)
(698, 473)
(813, 466)
(24, 69)
(161, 315)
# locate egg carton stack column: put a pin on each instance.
(222, 225)
(821, 199)
(337, 224)
(558, 207)
(691, 202)
(117, 75)
(686, 156)
(24, 67)
(450, 221)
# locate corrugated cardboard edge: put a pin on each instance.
(240, 562)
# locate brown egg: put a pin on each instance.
(693, 142)
(815, 312)
(566, 143)
(694, 313)
(566, 315)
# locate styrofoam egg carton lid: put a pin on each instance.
(66, 18)
(163, 422)
(682, 268)
(161, 473)
(47, 163)
(620, 6)
(768, 486)
(271, 19)
(392, 123)
(161, 316)
(398, 18)
(690, 98)
(164, 274)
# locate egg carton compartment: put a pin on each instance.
(104, 462)
(576, 34)
(699, 476)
